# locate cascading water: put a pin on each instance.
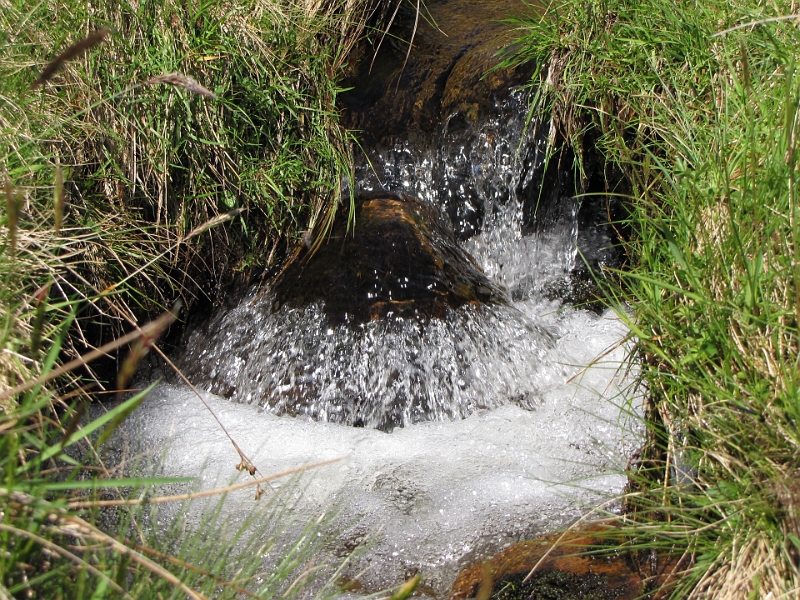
(487, 420)
(483, 174)
(384, 373)
(401, 370)
(469, 169)
(516, 414)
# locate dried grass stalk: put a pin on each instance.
(188, 83)
(58, 199)
(12, 214)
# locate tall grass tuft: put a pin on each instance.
(147, 119)
(696, 104)
(148, 151)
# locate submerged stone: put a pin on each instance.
(585, 563)
(401, 258)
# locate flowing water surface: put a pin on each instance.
(459, 434)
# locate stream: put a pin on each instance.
(461, 431)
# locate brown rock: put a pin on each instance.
(400, 259)
(573, 566)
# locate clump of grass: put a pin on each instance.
(697, 106)
(52, 547)
(159, 117)
(52, 496)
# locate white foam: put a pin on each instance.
(441, 493)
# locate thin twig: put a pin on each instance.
(384, 34)
(597, 360)
(203, 494)
(246, 463)
(754, 23)
(410, 45)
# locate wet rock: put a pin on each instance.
(451, 68)
(400, 259)
(580, 565)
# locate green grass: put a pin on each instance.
(144, 164)
(127, 185)
(700, 118)
(72, 527)
(53, 549)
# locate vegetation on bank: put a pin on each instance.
(695, 109)
(178, 116)
(149, 152)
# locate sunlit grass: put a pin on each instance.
(142, 161)
(701, 118)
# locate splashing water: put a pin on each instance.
(433, 497)
(470, 170)
(508, 431)
(399, 371)
(384, 373)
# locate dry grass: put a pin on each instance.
(754, 569)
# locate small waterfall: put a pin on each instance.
(487, 177)
(475, 427)
(516, 415)
(384, 373)
(402, 370)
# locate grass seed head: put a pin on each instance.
(73, 51)
(188, 83)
